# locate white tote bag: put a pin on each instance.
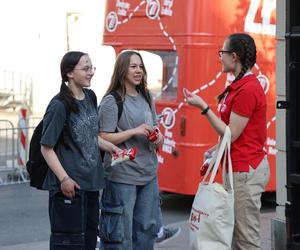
(212, 215)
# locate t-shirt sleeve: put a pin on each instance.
(244, 103)
(108, 115)
(53, 123)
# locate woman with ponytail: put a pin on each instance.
(242, 108)
(70, 146)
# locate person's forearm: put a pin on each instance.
(237, 122)
(53, 162)
(117, 138)
(105, 145)
(216, 122)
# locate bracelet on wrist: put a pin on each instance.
(204, 111)
(64, 179)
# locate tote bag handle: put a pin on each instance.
(230, 172)
(223, 149)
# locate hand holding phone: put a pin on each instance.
(187, 93)
(192, 99)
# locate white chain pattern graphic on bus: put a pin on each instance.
(133, 12)
(152, 12)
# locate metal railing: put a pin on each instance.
(12, 168)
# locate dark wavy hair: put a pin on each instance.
(244, 46)
(67, 64)
(119, 75)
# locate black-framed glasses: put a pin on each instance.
(221, 52)
(87, 69)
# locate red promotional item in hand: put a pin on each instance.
(153, 136)
(123, 155)
(206, 163)
(205, 166)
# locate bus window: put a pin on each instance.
(103, 58)
(162, 73)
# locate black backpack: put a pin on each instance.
(36, 166)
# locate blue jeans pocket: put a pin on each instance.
(112, 224)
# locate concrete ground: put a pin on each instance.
(24, 223)
(179, 243)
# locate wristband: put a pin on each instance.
(204, 111)
(64, 179)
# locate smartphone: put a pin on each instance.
(186, 94)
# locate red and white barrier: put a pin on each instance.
(23, 137)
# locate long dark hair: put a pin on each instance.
(117, 82)
(244, 46)
(67, 64)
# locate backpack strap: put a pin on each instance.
(119, 102)
(92, 95)
(64, 136)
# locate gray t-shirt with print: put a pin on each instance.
(136, 111)
(81, 159)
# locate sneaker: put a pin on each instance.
(168, 234)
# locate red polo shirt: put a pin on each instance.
(246, 98)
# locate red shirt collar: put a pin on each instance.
(241, 82)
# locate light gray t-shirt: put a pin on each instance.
(136, 111)
(81, 159)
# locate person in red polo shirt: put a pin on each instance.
(242, 108)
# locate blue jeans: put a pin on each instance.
(74, 223)
(129, 216)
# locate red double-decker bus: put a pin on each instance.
(179, 41)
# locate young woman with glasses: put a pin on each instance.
(70, 146)
(242, 108)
